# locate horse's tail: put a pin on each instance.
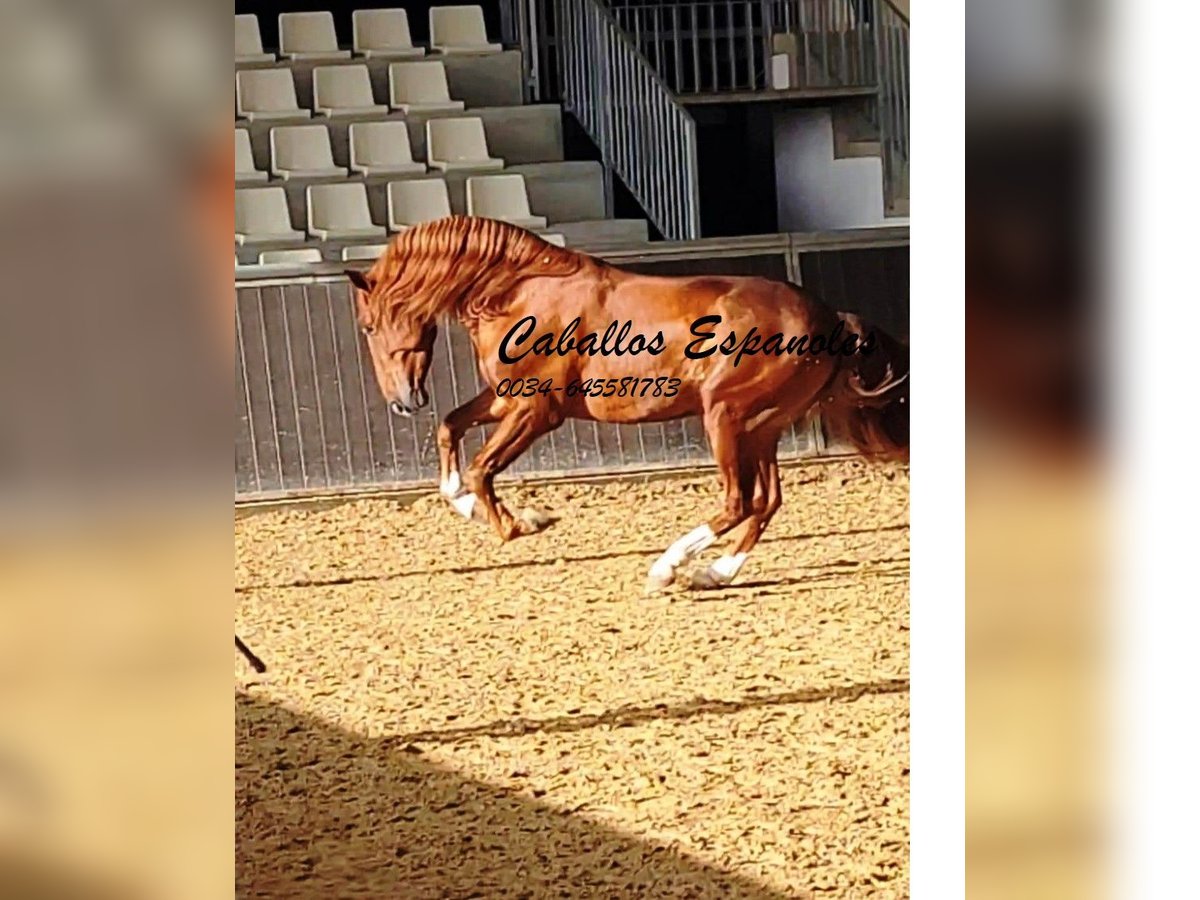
(866, 403)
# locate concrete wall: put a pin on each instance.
(815, 191)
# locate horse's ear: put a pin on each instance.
(359, 280)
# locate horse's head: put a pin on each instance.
(401, 345)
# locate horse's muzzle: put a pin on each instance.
(419, 401)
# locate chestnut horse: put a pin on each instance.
(559, 334)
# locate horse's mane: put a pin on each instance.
(462, 265)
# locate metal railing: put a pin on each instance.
(725, 46)
(892, 107)
(644, 135)
(309, 418)
(722, 47)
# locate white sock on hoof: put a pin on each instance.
(464, 503)
(727, 567)
(681, 551)
(452, 485)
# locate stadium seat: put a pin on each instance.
(309, 35)
(260, 215)
(338, 212)
(301, 256)
(363, 251)
(458, 144)
(459, 29)
(268, 94)
(382, 148)
(303, 151)
(384, 33)
(344, 91)
(247, 41)
(418, 200)
(502, 197)
(244, 169)
(420, 87)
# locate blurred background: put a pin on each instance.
(115, 378)
(1037, 505)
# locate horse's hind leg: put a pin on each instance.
(768, 497)
(483, 409)
(519, 428)
(725, 434)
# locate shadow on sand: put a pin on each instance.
(324, 813)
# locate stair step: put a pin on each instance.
(858, 149)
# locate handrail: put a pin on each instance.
(897, 11)
(644, 134)
(725, 46)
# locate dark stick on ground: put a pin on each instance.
(258, 664)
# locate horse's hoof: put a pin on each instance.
(466, 505)
(707, 580)
(536, 519)
(656, 583)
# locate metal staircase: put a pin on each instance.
(628, 69)
(645, 136)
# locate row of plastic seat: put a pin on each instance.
(376, 148)
(341, 211)
(377, 32)
(292, 257)
(344, 91)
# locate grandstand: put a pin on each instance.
(761, 139)
(603, 125)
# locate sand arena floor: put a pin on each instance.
(445, 716)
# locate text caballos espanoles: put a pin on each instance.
(619, 339)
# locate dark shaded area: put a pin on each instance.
(1032, 324)
(324, 813)
(871, 283)
(736, 158)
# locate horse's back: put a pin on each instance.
(700, 295)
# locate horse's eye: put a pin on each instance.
(368, 330)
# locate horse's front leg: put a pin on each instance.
(520, 426)
(483, 409)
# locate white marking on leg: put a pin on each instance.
(464, 503)
(451, 489)
(681, 551)
(452, 485)
(726, 568)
